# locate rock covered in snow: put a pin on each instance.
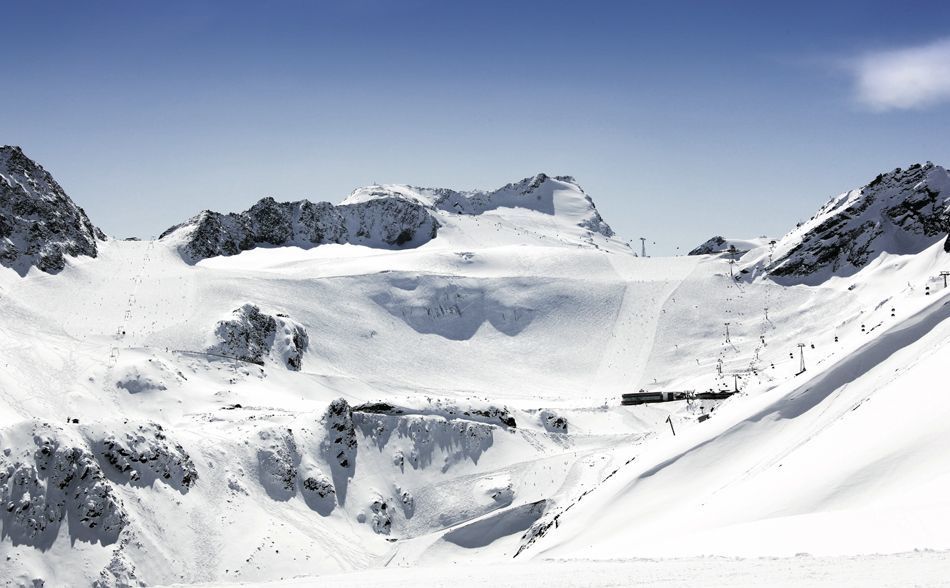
(382, 519)
(459, 439)
(383, 222)
(390, 216)
(340, 445)
(147, 450)
(39, 224)
(319, 484)
(64, 479)
(552, 422)
(715, 245)
(903, 212)
(534, 193)
(278, 459)
(252, 336)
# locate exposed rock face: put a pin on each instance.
(552, 422)
(899, 212)
(376, 216)
(319, 484)
(278, 458)
(63, 479)
(253, 336)
(340, 444)
(715, 245)
(383, 222)
(146, 452)
(382, 519)
(39, 224)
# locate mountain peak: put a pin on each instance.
(39, 223)
(903, 211)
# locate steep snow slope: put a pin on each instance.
(846, 457)
(329, 407)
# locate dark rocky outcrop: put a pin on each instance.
(278, 459)
(253, 336)
(64, 482)
(382, 222)
(715, 245)
(39, 225)
(552, 422)
(903, 212)
(340, 445)
(145, 454)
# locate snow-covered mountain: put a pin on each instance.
(291, 391)
(39, 224)
(900, 212)
(389, 217)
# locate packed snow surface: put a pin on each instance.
(324, 408)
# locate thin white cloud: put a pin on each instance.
(902, 79)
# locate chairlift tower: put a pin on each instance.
(944, 276)
(643, 246)
(801, 356)
(727, 333)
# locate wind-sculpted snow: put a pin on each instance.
(457, 439)
(450, 308)
(39, 224)
(386, 223)
(253, 336)
(488, 414)
(515, 520)
(900, 212)
(538, 193)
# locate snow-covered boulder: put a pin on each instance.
(317, 489)
(901, 212)
(278, 458)
(382, 516)
(552, 422)
(253, 336)
(39, 224)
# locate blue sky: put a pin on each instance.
(681, 119)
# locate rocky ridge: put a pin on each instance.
(903, 211)
(384, 223)
(39, 224)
